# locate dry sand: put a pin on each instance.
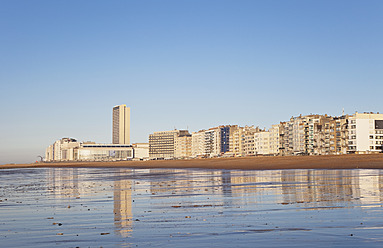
(370, 161)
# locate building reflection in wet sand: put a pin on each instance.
(319, 187)
(171, 190)
(64, 183)
(123, 215)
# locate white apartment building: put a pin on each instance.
(274, 139)
(262, 143)
(61, 150)
(198, 143)
(213, 142)
(365, 132)
(206, 143)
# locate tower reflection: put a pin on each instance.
(123, 204)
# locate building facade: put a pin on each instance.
(68, 149)
(62, 150)
(262, 143)
(121, 125)
(141, 151)
(162, 145)
(274, 136)
(198, 144)
(235, 141)
(365, 133)
(183, 146)
(91, 151)
(207, 143)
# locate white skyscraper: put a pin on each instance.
(121, 125)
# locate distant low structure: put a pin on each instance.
(69, 149)
(141, 151)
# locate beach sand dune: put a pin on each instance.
(365, 161)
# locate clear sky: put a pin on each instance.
(180, 64)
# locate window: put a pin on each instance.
(379, 124)
(371, 137)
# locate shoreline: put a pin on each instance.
(350, 161)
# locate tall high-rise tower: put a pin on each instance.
(121, 125)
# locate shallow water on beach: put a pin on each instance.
(66, 207)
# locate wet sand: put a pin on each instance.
(120, 207)
(370, 161)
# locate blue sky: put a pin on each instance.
(179, 64)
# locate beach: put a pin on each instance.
(122, 207)
(352, 161)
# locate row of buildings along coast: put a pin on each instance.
(302, 135)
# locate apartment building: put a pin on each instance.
(300, 133)
(262, 143)
(341, 134)
(61, 150)
(183, 146)
(225, 138)
(207, 143)
(235, 141)
(274, 136)
(162, 145)
(198, 144)
(284, 138)
(365, 133)
(213, 142)
(248, 142)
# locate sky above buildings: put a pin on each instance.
(180, 64)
